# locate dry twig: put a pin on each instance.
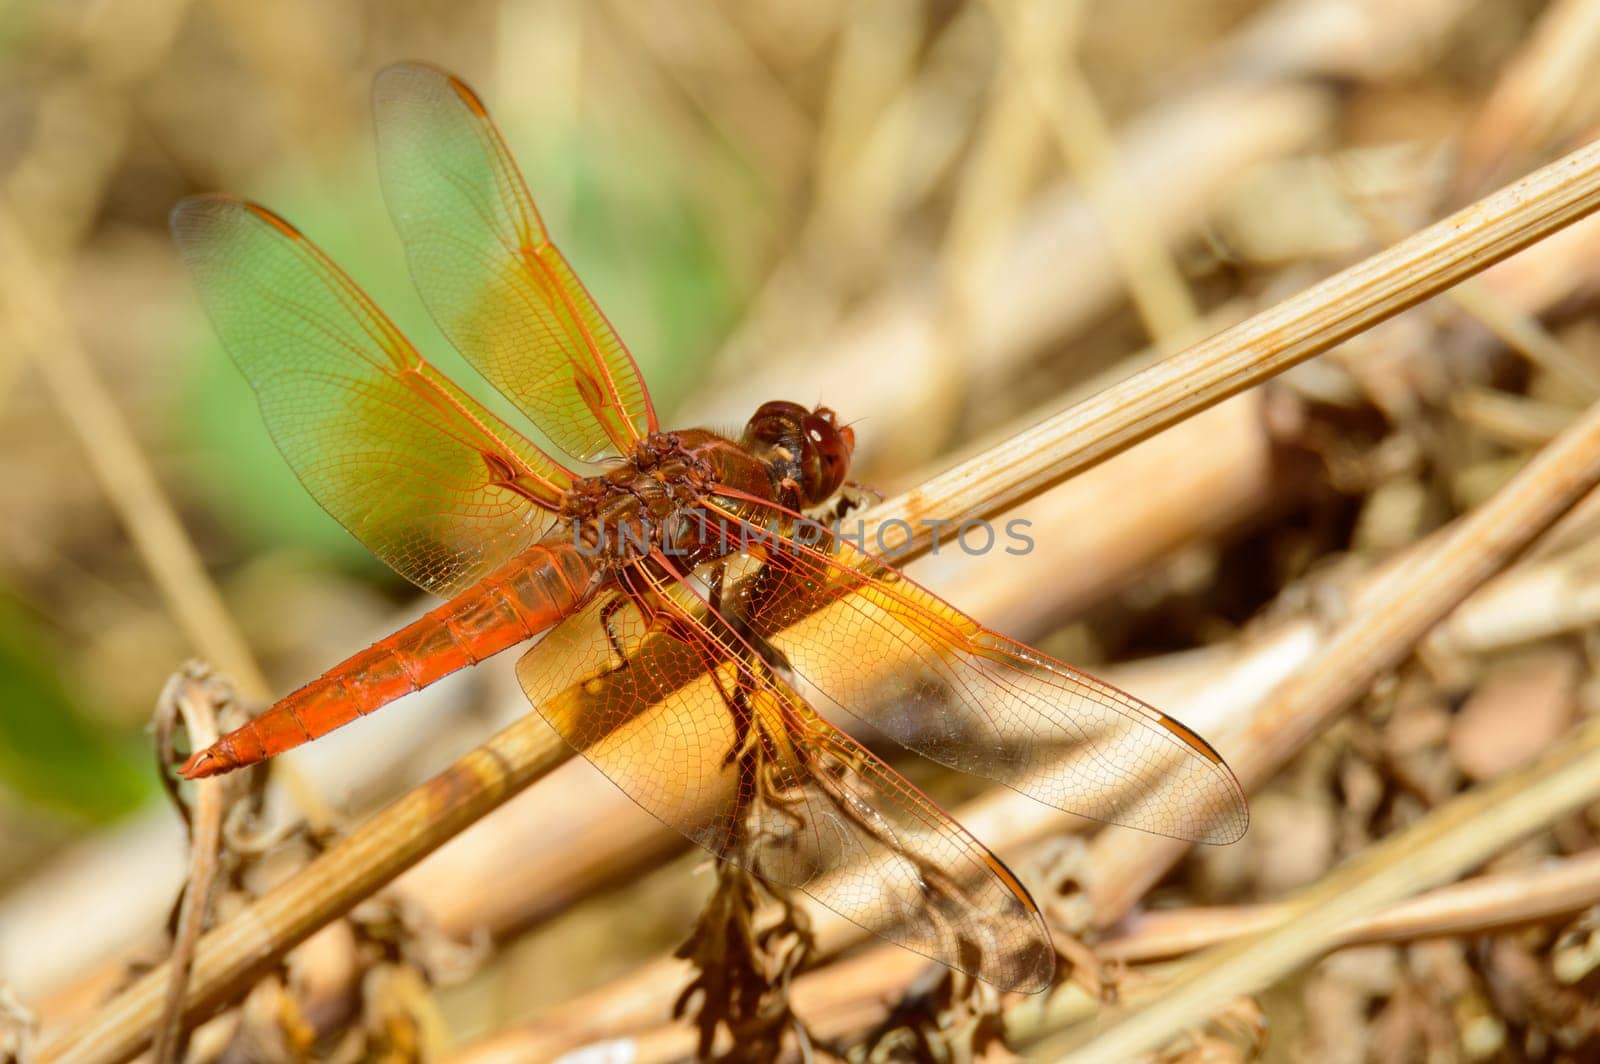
(1472, 907)
(1539, 496)
(1451, 839)
(196, 696)
(1062, 92)
(1273, 727)
(1221, 366)
(1294, 330)
(1409, 602)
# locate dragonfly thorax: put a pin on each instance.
(639, 505)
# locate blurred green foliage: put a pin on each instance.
(52, 753)
(16, 25)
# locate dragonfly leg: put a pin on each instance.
(607, 612)
(641, 591)
(715, 588)
(853, 496)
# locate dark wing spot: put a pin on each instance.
(1199, 745)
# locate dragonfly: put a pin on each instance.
(694, 615)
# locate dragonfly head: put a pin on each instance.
(812, 443)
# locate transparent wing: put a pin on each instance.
(429, 480)
(670, 704)
(487, 270)
(880, 647)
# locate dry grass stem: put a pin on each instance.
(1476, 906)
(349, 871)
(1294, 330)
(196, 697)
(845, 996)
(1388, 618)
(1453, 838)
(1042, 39)
(1524, 333)
(1531, 602)
(1015, 470)
(1225, 690)
(1388, 624)
(1518, 329)
(1511, 420)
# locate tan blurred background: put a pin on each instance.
(944, 219)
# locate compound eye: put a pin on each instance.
(781, 408)
(827, 454)
(775, 420)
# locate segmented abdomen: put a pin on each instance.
(518, 601)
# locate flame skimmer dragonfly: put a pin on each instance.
(682, 612)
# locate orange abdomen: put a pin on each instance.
(518, 601)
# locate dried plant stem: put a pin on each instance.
(360, 864)
(1518, 329)
(1411, 598)
(1221, 688)
(845, 996)
(1527, 335)
(1203, 375)
(1032, 31)
(194, 695)
(1453, 838)
(1536, 600)
(1472, 907)
(1294, 330)
(1399, 612)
